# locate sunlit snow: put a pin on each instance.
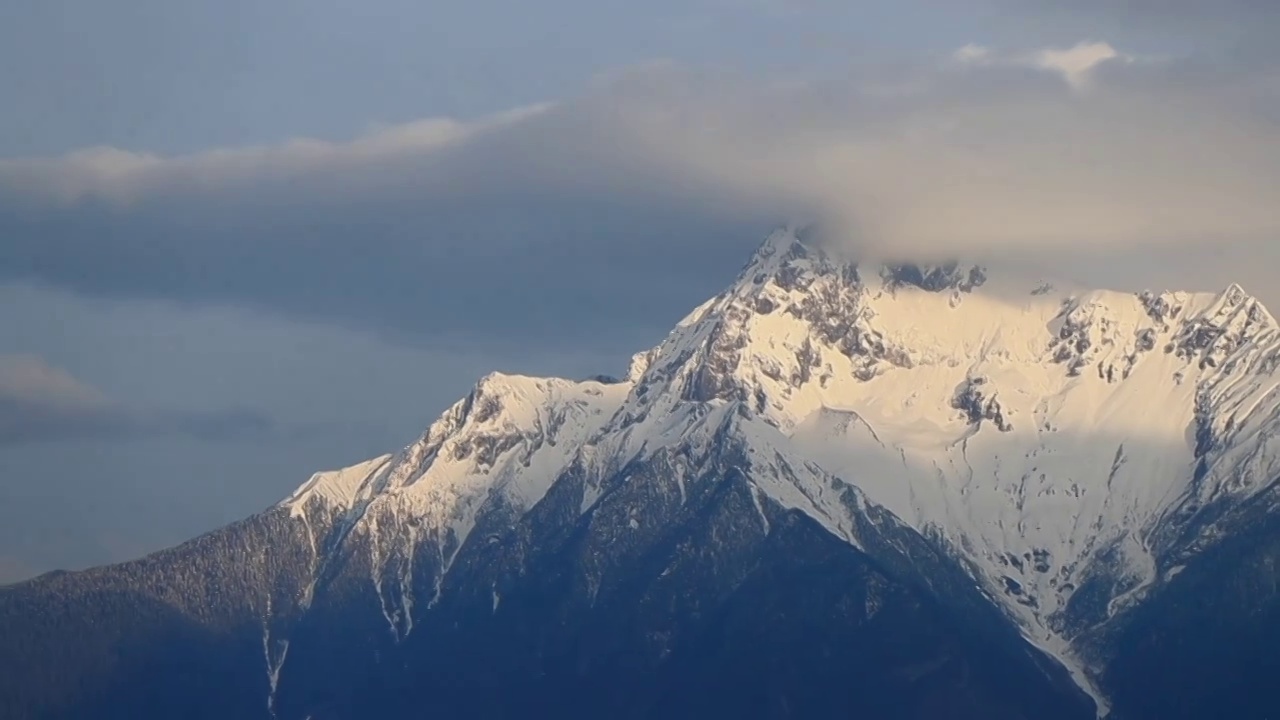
(1029, 425)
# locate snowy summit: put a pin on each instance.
(836, 489)
(1072, 448)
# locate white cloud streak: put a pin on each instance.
(122, 177)
(1075, 64)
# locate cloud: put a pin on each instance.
(1075, 64)
(122, 178)
(581, 221)
(39, 403)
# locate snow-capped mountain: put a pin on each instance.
(1025, 467)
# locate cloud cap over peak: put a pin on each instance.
(645, 183)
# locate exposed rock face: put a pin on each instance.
(972, 400)
(934, 278)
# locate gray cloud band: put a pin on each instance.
(547, 223)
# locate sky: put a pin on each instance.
(242, 242)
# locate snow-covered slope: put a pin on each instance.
(496, 451)
(512, 435)
(1070, 446)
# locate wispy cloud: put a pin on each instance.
(39, 402)
(121, 177)
(1075, 64)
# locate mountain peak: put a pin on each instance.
(1017, 420)
(934, 357)
(795, 250)
(780, 249)
(1040, 463)
(1234, 300)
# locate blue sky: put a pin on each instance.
(247, 241)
